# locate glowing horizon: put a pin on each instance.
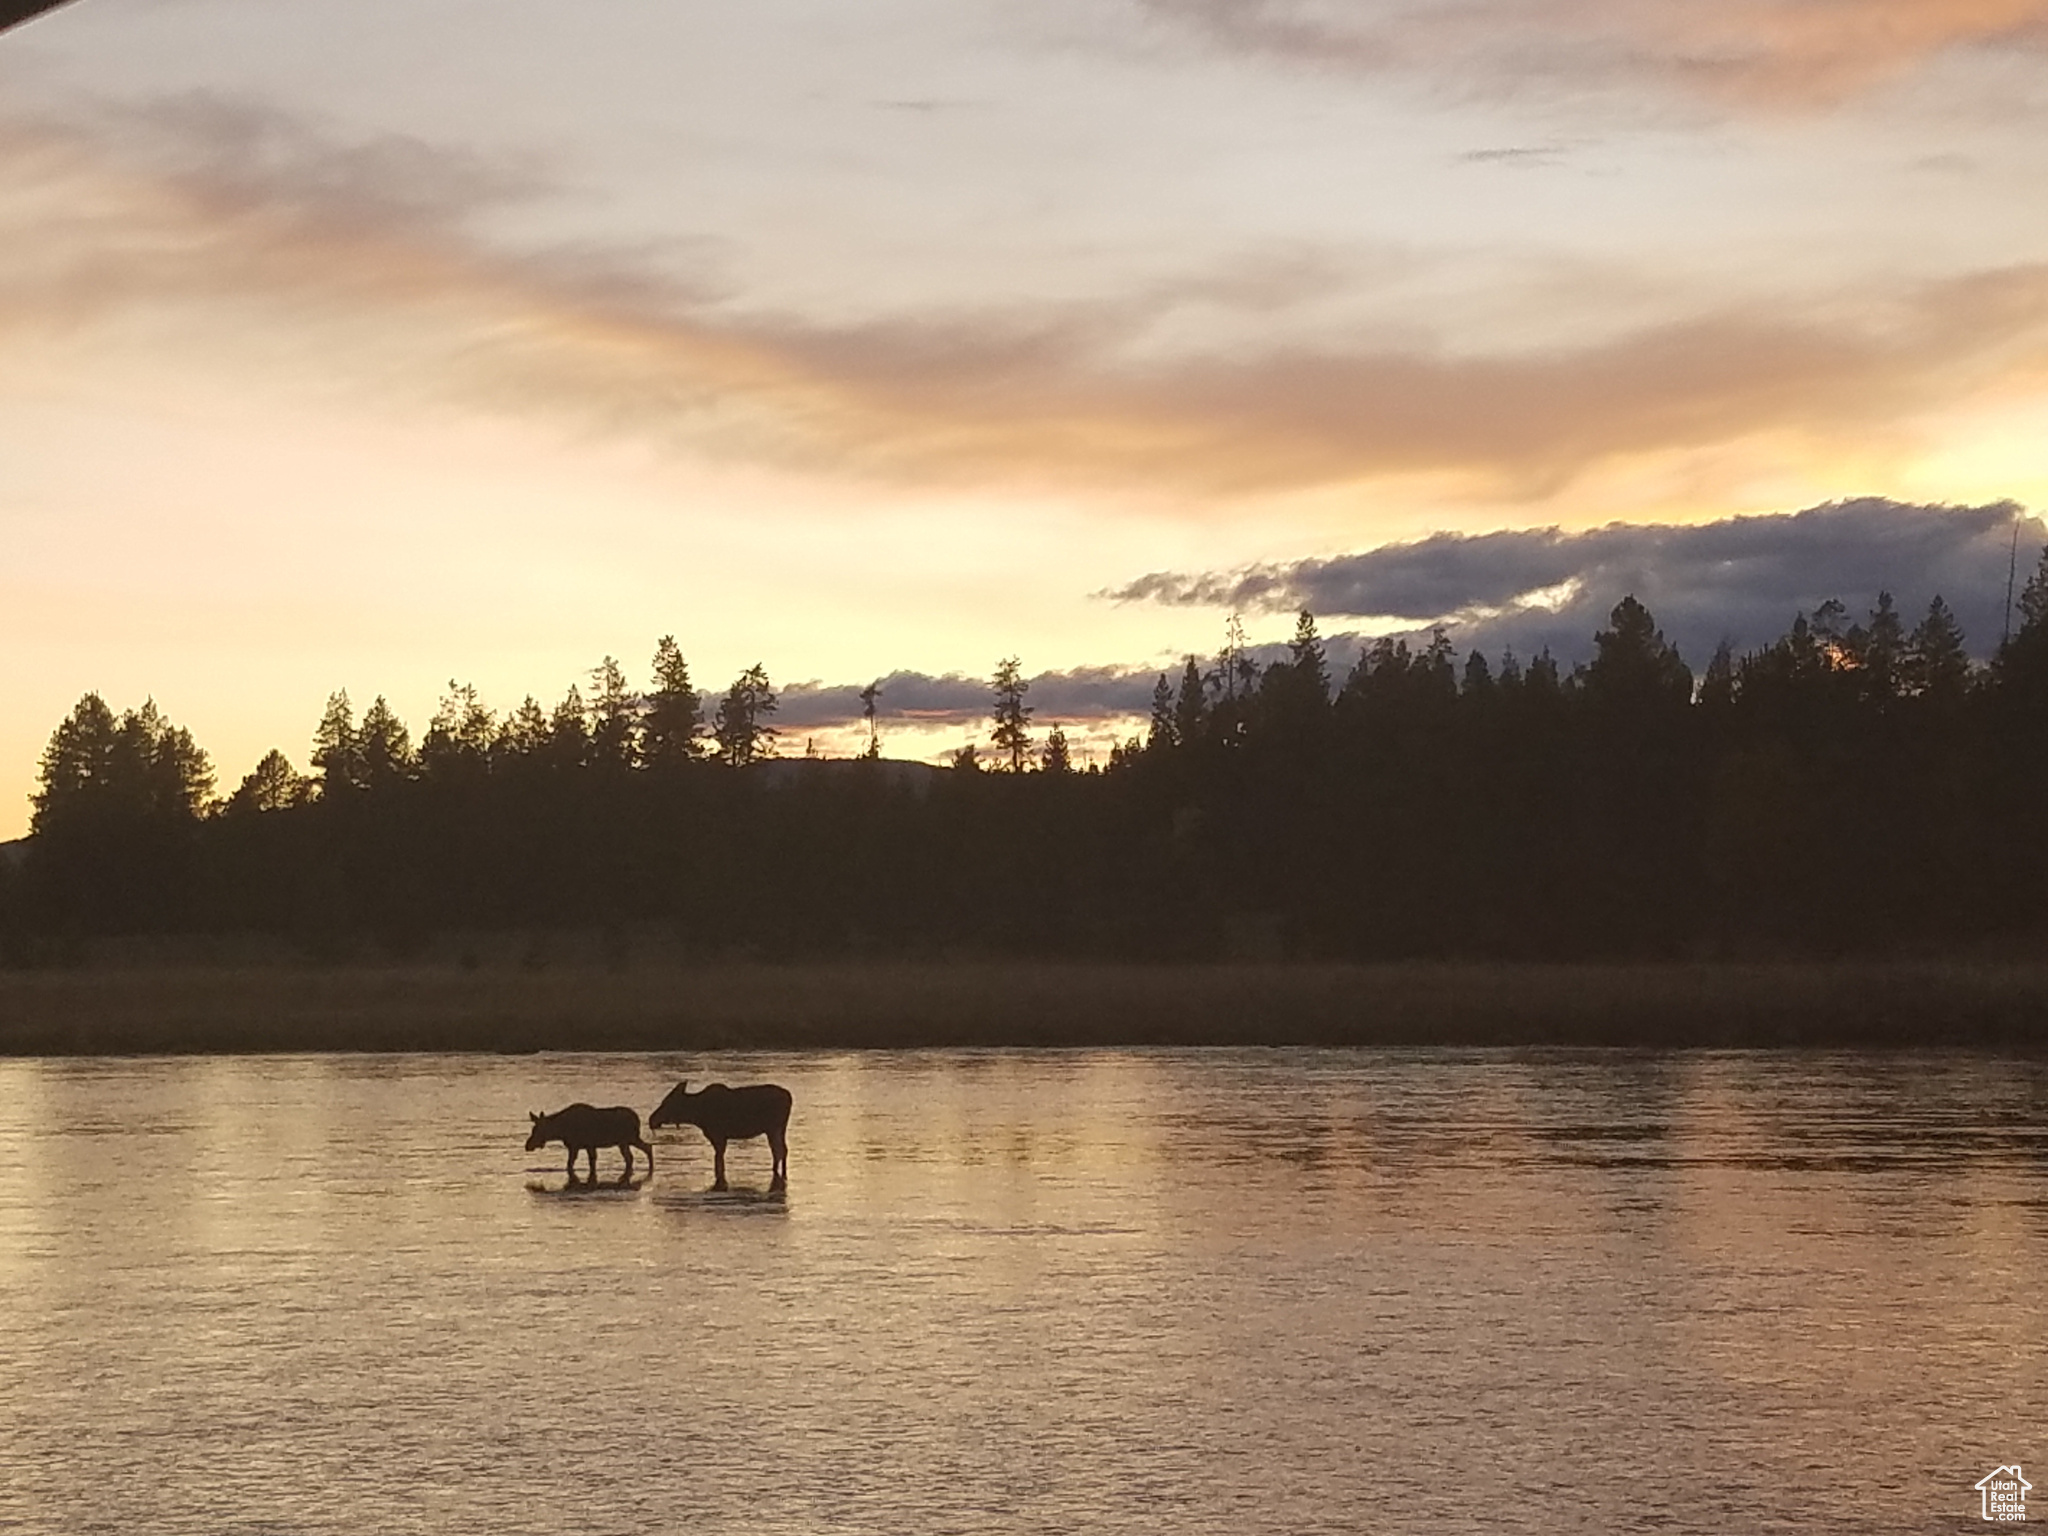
(351, 346)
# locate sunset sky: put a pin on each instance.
(363, 344)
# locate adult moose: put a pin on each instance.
(583, 1129)
(730, 1114)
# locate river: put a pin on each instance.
(1007, 1291)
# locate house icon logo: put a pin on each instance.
(2005, 1493)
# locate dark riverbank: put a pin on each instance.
(246, 1008)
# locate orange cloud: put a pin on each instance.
(362, 262)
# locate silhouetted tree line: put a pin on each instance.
(1855, 787)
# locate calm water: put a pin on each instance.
(1118, 1291)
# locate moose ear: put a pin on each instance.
(534, 1116)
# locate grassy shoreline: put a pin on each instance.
(200, 1008)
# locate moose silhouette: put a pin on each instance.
(583, 1129)
(731, 1114)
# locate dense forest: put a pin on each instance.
(1856, 787)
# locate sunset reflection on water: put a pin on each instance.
(1006, 1291)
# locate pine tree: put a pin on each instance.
(742, 730)
(384, 745)
(181, 775)
(674, 723)
(1012, 735)
(1381, 677)
(569, 733)
(459, 737)
(1294, 695)
(614, 718)
(1878, 652)
(1056, 758)
(1305, 654)
(1190, 706)
(76, 767)
(337, 750)
(272, 785)
(1634, 667)
(1937, 666)
(524, 734)
(1437, 666)
(1164, 734)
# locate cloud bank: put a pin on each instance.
(1742, 578)
(952, 698)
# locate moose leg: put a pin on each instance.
(650, 1154)
(779, 1145)
(591, 1153)
(572, 1165)
(626, 1151)
(718, 1163)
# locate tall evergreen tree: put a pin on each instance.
(524, 734)
(674, 721)
(1305, 655)
(614, 718)
(1381, 677)
(181, 774)
(1190, 705)
(337, 750)
(1936, 664)
(384, 745)
(1633, 666)
(1163, 734)
(1438, 667)
(1012, 735)
(569, 733)
(77, 767)
(272, 785)
(742, 730)
(1878, 653)
(460, 736)
(1056, 758)
(1294, 695)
